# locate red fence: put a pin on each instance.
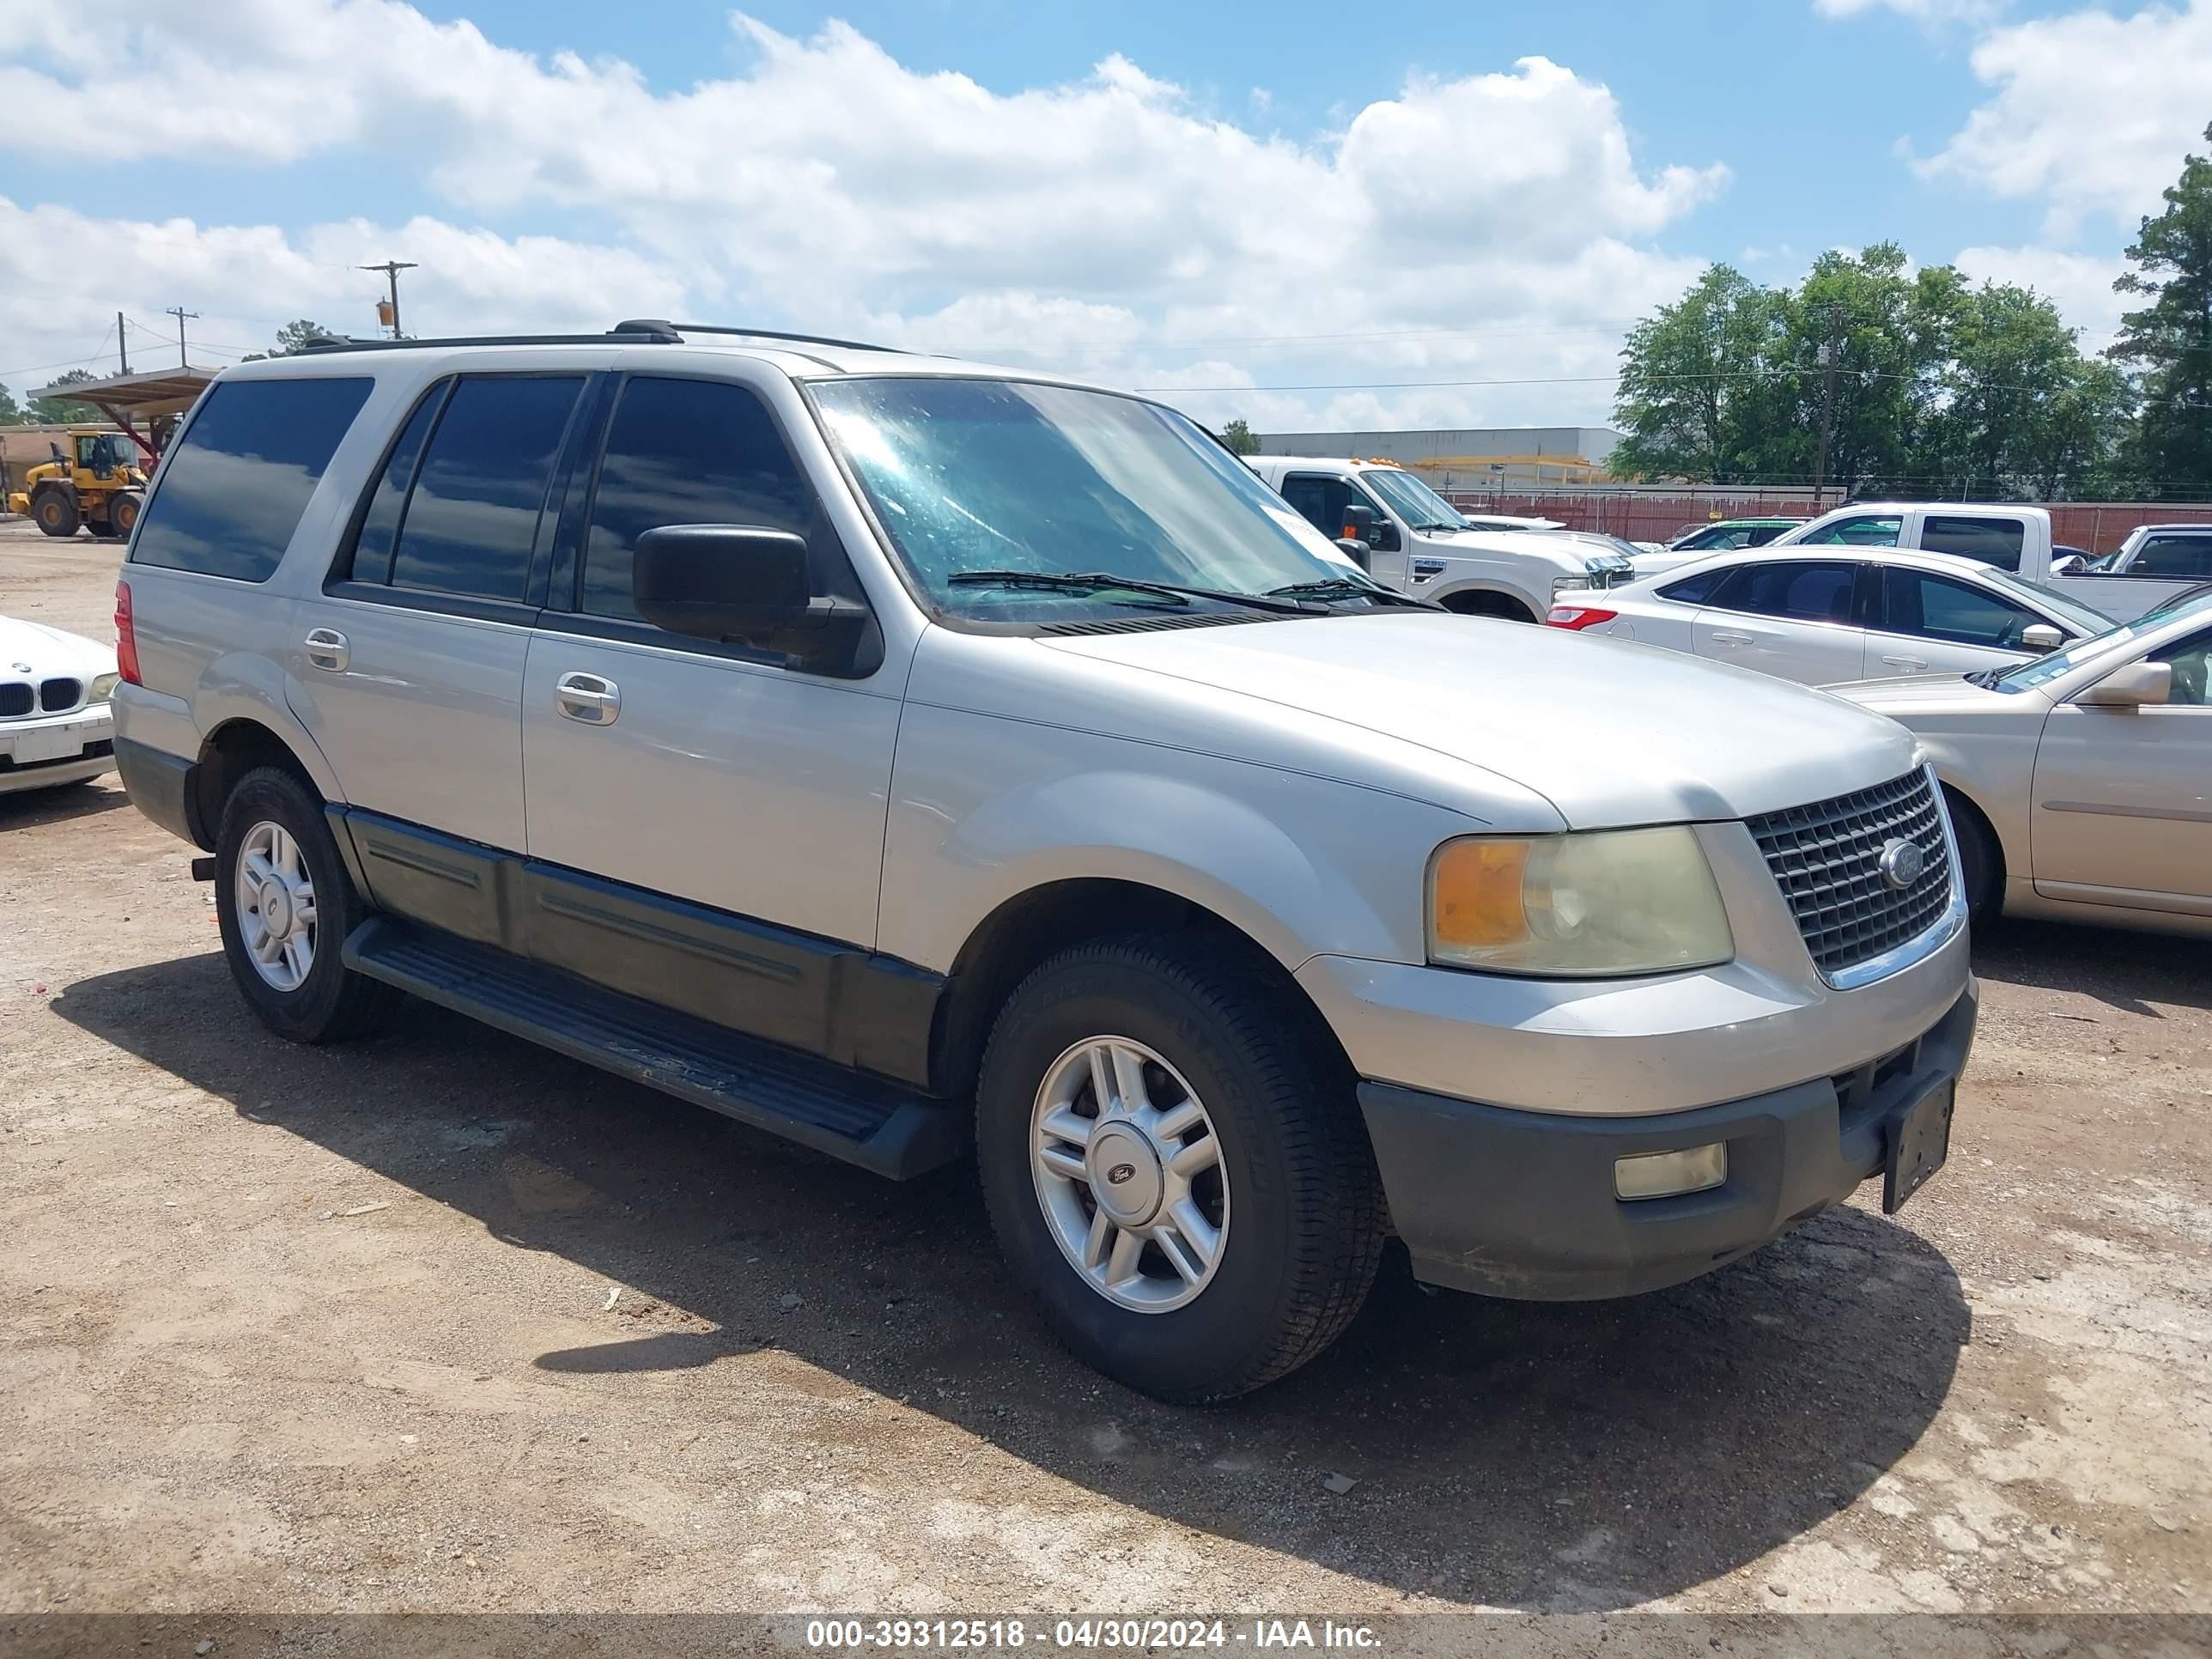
(1659, 516)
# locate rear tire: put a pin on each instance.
(55, 511)
(1288, 1189)
(1981, 860)
(123, 510)
(288, 970)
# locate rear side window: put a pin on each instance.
(1934, 607)
(239, 478)
(685, 452)
(1698, 589)
(1988, 541)
(1799, 590)
(2172, 555)
(1319, 501)
(371, 559)
(471, 518)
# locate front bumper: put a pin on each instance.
(56, 749)
(1521, 1204)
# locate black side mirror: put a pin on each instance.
(1358, 550)
(742, 583)
(1359, 525)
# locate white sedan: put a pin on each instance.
(1831, 615)
(55, 727)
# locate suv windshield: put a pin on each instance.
(2043, 670)
(974, 476)
(1418, 504)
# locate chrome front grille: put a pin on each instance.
(1827, 859)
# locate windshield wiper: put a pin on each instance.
(1330, 587)
(1084, 581)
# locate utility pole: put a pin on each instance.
(180, 314)
(1830, 352)
(392, 268)
(121, 344)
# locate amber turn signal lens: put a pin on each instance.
(1477, 891)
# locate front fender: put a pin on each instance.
(1513, 587)
(985, 808)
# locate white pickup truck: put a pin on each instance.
(2010, 537)
(1418, 543)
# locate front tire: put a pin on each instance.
(55, 510)
(1175, 1166)
(285, 905)
(1981, 862)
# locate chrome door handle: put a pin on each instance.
(1729, 636)
(1914, 663)
(327, 648)
(588, 698)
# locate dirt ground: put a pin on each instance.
(439, 1321)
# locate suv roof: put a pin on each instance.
(801, 356)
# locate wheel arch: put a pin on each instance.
(1481, 599)
(1031, 926)
(237, 746)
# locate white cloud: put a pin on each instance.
(2079, 284)
(2093, 113)
(825, 185)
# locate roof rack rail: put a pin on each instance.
(761, 334)
(622, 334)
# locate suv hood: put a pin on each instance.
(1565, 554)
(1611, 733)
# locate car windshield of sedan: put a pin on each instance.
(2043, 670)
(1421, 507)
(997, 493)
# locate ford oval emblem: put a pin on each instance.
(1121, 1173)
(1901, 864)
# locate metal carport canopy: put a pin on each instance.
(127, 400)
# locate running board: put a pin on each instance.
(880, 1124)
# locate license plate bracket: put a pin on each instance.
(50, 743)
(1917, 1141)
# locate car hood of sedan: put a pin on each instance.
(1928, 695)
(1610, 734)
(44, 650)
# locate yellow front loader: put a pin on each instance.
(95, 481)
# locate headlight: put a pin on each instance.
(1568, 585)
(1614, 903)
(104, 688)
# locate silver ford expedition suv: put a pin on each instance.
(916, 759)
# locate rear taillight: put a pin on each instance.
(1578, 616)
(126, 639)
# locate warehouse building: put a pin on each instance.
(1511, 457)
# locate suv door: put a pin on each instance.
(2122, 807)
(1797, 619)
(407, 666)
(709, 773)
(1931, 624)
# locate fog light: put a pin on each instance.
(1669, 1175)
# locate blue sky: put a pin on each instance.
(1285, 196)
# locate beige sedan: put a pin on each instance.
(2079, 784)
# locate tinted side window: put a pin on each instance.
(472, 517)
(1867, 531)
(1937, 608)
(370, 560)
(2172, 555)
(685, 452)
(2192, 672)
(1990, 541)
(241, 476)
(1319, 501)
(1696, 590)
(1799, 590)
(1759, 535)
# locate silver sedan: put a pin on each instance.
(2079, 784)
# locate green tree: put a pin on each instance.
(64, 411)
(2169, 341)
(11, 412)
(1239, 438)
(292, 339)
(2006, 390)
(1693, 396)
